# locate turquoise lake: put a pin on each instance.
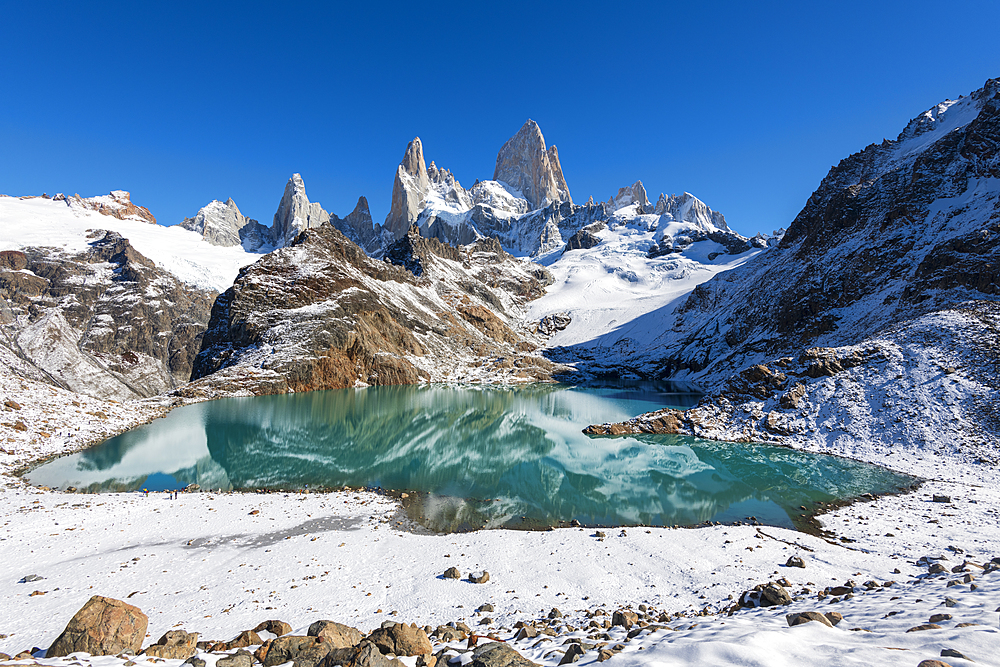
(479, 456)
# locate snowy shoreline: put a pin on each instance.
(218, 564)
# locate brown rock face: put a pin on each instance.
(242, 640)
(274, 627)
(117, 204)
(13, 260)
(301, 650)
(364, 654)
(526, 165)
(401, 639)
(103, 626)
(339, 636)
(330, 317)
(498, 654)
(174, 645)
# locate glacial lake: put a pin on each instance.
(478, 456)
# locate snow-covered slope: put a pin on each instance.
(624, 270)
(44, 223)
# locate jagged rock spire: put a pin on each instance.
(634, 194)
(526, 165)
(220, 223)
(295, 213)
(408, 190)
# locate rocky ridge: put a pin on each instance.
(222, 224)
(874, 320)
(527, 205)
(321, 314)
(106, 323)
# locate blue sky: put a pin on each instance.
(745, 105)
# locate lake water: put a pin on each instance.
(482, 456)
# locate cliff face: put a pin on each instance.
(222, 224)
(107, 322)
(526, 165)
(321, 314)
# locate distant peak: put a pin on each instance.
(525, 164)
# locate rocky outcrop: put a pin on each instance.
(107, 322)
(900, 229)
(103, 626)
(359, 227)
(321, 314)
(689, 208)
(634, 194)
(427, 196)
(526, 165)
(222, 224)
(295, 213)
(174, 645)
(408, 190)
(117, 204)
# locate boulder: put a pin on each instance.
(624, 618)
(401, 639)
(795, 561)
(834, 617)
(174, 645)
(765, 595)
(446, 634)
(302, 651)
(498, 654)
(452, 573)
(103, 626)
(339, 635)
(364, 654)
(479, 577)
(278, 628)
(241, 658)
(242, 640)
(806, 617)
(573, 653)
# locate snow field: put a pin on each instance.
(46, 223)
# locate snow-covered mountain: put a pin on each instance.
(872, 324)
(527, 205)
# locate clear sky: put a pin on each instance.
(744, 104)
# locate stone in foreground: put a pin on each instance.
(807, 616)
(497, 654)
(103, 626)
(401, 639)
(174, 645)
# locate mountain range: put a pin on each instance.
(511, 280)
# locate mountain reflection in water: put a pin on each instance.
(484, 456)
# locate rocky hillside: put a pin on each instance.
(321, 314)
(106, 322)
(903, 228)
(875, 320)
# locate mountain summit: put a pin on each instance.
(526, 165)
